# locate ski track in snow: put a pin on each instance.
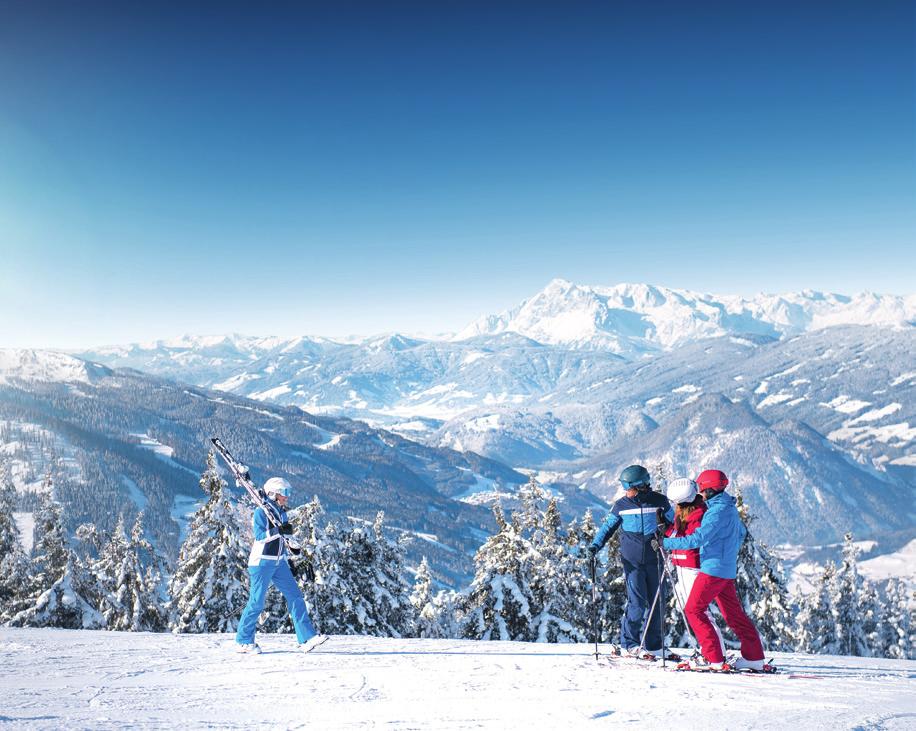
(60, 679)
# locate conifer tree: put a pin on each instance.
(125, 580)
(360, 587)
(498, 603)
(660, 475)
(895, 638)
(817, 630)
(57, 587)
(446, 605)
(560, 581)
(14, 564)
(872, 614)
(611, 587)
(209, 587)
(846, 603)
(428, 624)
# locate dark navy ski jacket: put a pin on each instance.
(636, 517)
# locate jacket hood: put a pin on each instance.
(723, 498)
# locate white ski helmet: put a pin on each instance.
(277, 486)
(682, 490)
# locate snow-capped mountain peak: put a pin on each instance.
(44, 365)
(636, 318)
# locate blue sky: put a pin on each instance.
(349, 168)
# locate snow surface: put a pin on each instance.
(25, 522)
(900, 564)
(62, 679)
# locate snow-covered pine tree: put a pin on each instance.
(390, 588)
(760, 584)
(612, 588)
(660, 476)
(817, 632)
(14, 564)
(895, 630)
(498, 604)
(361, 587)
(872, 614)
(559, 581)
(209, 587)
(126, 579)
(846, 603)
(445, 608)
(56, 591)
(428, 623)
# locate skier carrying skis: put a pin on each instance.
(718, 537)
(689, 508)
(269, 562)
(635, 514)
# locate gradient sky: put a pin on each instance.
(337, 168)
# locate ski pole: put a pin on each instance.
(593, 561)
(670, 573)
(645, 629)
(661, 584)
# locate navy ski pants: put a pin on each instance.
(261, 576)
(642, 583)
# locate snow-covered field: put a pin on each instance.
(57, 679)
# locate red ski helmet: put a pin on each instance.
(714, 480)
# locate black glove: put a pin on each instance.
(592, 551)
(308, 569)
(286, 529)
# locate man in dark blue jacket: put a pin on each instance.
(636, 514)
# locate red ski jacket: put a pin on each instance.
(687, 557)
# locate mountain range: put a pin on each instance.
(117, 441)
(805, 398)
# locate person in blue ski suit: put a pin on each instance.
(636, 514)
(268, 563)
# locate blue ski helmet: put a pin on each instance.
(635, 476)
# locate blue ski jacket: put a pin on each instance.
(269, 546)
(637, 518)
(719, 537)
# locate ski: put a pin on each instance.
(729, 669)
(243, 480)
(617, 653)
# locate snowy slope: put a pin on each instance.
(60, 679)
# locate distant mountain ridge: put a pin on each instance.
(632, 318)
(117, 440)
(579, 381)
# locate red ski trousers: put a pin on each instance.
(705, 589)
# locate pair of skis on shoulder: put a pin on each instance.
(259, 498)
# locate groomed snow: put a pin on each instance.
(56, 679)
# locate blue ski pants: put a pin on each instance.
(260, 577)
(642, 583)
